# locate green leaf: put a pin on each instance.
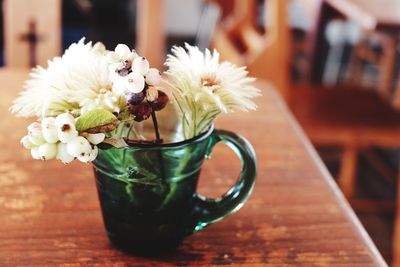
(94, 118)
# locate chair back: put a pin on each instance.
(267, 55)
(31, 36)
(150, 31)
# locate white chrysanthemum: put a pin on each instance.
(203, 87)
(77, 80)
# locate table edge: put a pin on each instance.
(342, 201)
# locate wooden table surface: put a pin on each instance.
(50, 216)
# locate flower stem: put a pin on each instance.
(159, 141)
(156, 129)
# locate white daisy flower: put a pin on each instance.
(70, 83)
(203, 87)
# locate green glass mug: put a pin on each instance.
(148, 193)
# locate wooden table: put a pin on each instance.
(50, 214)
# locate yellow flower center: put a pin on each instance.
(103, 91)
(211, 82)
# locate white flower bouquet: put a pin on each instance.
(91, 96)
(147, 135)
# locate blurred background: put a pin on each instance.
(335, 62)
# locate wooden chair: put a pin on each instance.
(396, 95)
(265, 55)
(150, 32)
(352, 118)
(32, 32)
(349, 117)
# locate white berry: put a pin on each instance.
(49, 130)
(65, 118)
(48, 122)
(35, 153)
(66, 132)
(122, 50)
(50, 135)
(37, 139)
(112, 69)
(47, 151)
(91, 156)
(141, 65)
(133, 83)
(132, 55)
(62, 153)
(26, 142)
(35, 134)
(79, 146)
(153, 76)
(96, 138)
(33, 126)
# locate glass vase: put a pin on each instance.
(148, 196)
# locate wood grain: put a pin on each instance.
(50, 215)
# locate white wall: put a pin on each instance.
(183, 16)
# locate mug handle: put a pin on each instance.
(209, 210)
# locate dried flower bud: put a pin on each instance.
(151, 94)
(141, 111)
(122, 72)
(127, 64)
(160, 102)
(134, 98)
